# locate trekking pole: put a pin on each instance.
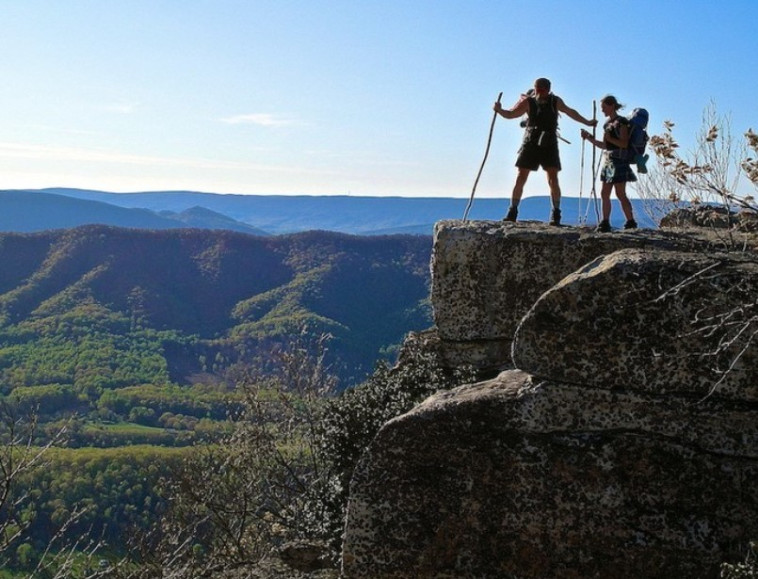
(581, 185)
(486, 152)
(594, 167)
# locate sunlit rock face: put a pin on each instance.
(624, 443)
(650, 321)
(486, 275)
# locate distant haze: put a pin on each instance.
(37, 210)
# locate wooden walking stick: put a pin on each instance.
(580, 219)
(486, 152)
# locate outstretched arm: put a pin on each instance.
(573, 114)
(520, 109)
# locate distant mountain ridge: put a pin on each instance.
(37, 210)
(40, 209)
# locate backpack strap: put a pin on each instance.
(534, 111)
(618, 152)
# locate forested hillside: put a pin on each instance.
(115, 342)
(90, 314)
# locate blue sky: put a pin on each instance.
(360, 97)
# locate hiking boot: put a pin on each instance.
(604, 226)
(630, 224)
(555, 217)
(512, 214)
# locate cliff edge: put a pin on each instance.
(617, 435)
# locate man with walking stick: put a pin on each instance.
(540, 144)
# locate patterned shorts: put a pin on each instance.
(616, 171)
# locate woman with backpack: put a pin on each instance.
(616, 171)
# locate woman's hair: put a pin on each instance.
(613, 101)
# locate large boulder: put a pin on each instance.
(653, 321)
(516, 477)
(486, 275)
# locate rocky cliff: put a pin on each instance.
(618, 436)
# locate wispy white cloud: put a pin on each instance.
(261, 119)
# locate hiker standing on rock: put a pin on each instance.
(616, 171)
(540, 145)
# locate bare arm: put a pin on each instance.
(588, 137)
(622, 142)
(573, 114)
(520, 109)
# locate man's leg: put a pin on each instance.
(518, 187)
(555, 194)
(555, 187)
(518, 191)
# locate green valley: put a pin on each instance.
(122, 352)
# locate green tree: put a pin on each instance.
(229, 503)
(352, 420)
(26, 555)
(283, 474)
(19, 505)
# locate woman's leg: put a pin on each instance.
(605, 196)
(626, 205)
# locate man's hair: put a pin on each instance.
(543, 83)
